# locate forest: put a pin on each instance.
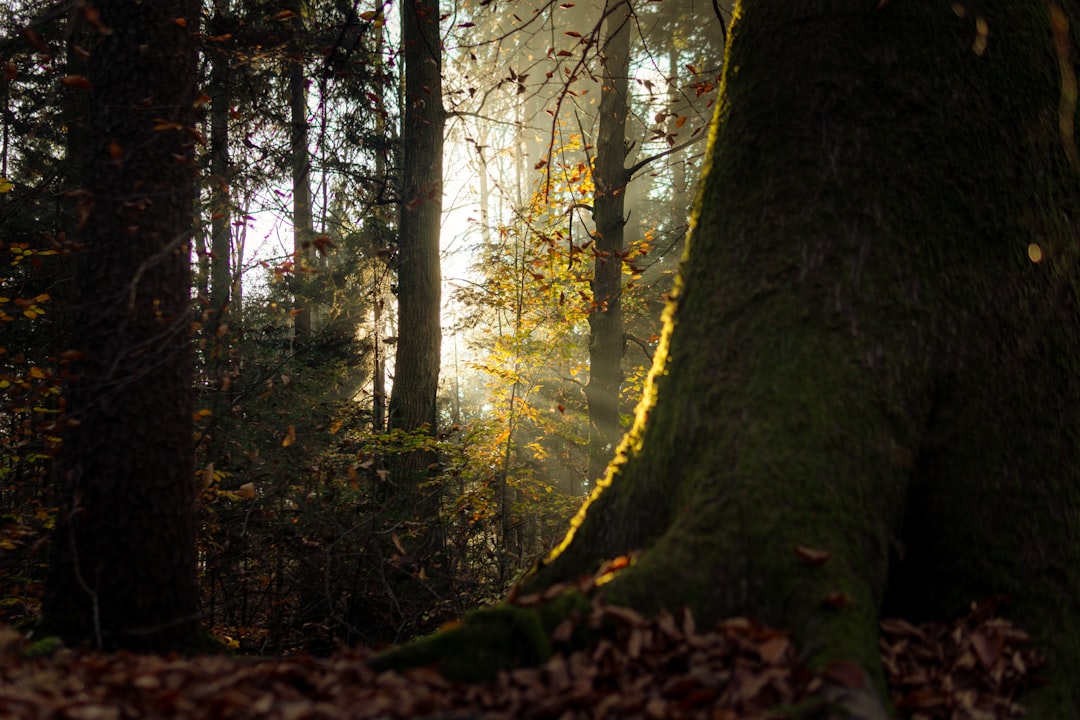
(645, 358)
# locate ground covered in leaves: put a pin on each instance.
(663, 667)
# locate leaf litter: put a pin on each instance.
(656, 668)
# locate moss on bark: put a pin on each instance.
(861, 357)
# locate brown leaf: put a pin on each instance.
(77, 82)
(836, 600)
(812, 556)
(987, 647)
(774, 649)
(845, 673)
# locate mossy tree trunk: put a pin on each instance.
(862, 356)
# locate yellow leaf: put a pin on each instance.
(6, 185)
(290, 437)
(37, 373)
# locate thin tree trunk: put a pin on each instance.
(220, 198)
(605, 318)
(303, 224)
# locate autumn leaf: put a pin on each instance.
(290, 437)
(812, 555)
(845, 673)
(33, 39)
(77, 82)
(836, 600)
(246, 491)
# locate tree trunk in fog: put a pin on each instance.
(610, 176)
(416, 375)
(303, 227)
(123, 555)
(862, 356)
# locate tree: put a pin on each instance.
(416, 375)
(123, 565)
(611, 177)
(866, 394)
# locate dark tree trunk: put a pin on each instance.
(605, 318)
(220, 193)
(416, 374)
(123, 565)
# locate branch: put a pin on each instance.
(674, 149)
(641, 344)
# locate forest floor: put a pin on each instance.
(663, 667)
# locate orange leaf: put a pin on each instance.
(812, 555)
(78, 82)
(290, 437)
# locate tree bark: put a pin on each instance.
(862, 356)
(416, 374)
(303, 224)
(123, 566)
(221, 279)
(605, 318)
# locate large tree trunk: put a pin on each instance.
(123, 567)
(873, 348)
(605, 318)
(863, 357)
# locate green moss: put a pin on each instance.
(488, 640)
(862, 358)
